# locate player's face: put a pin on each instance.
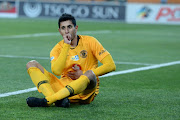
(67, 27)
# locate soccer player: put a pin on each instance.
(75, 58)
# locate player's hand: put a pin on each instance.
(67, 38)
(76, 73)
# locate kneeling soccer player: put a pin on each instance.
(75, 58)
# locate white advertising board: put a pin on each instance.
(8, 9)
(153, 13)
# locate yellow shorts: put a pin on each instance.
(85, 97)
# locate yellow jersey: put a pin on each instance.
(86, 54)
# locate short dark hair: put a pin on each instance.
(65, 17)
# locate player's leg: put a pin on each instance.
(86, 81)
(40, 80)
(46, 83)
(85, 97)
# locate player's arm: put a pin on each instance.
(103, 56)
(58, 66)
(107, 66)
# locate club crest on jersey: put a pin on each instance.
(75, 58)
(83, 53)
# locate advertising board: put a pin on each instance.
(153, 13)
(8, 9)
(82, 11)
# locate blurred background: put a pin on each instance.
(130, 11)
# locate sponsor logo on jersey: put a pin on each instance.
(77, 66)
(83, 53)
(102, 51)
(52, 58)
(75, 58)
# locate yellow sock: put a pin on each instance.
(75, 87)
(40, 81)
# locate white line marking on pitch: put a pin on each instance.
(53, 34)
(133, 63)
(142, 68)
(87, 32)
(107, 75)
(25, 57)
(47, 58)
(18, 92)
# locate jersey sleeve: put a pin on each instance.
(59, 58)
(108, 66)
(55, 52)
(98, 50)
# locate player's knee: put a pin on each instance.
(92, 78)
(32, 63)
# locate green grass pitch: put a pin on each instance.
(143, 95)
